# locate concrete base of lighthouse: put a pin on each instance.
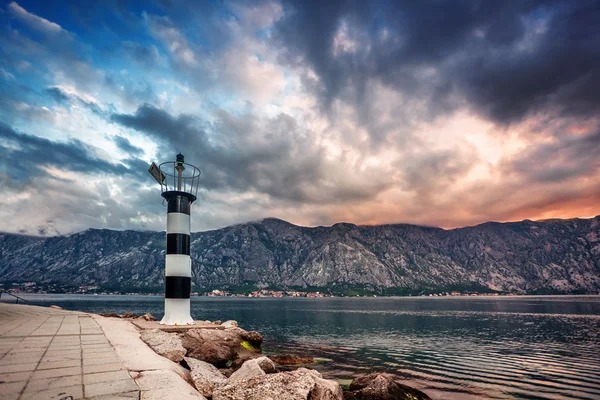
(177, 312)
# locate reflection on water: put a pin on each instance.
(452, 348)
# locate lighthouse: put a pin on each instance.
(179, 188)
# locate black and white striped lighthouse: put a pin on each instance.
(179, 186)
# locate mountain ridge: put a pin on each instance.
(317, 226)
(554, 256)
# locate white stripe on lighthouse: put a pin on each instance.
(178, 265)
(178, 223)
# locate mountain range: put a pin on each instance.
(550, 256)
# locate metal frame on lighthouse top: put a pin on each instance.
(179, 187)
(177, 176)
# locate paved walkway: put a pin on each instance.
(48, 353)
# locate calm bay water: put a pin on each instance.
(543, 347)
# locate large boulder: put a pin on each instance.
(248, 370)
(255, 367)
(220, 346)
(266, 365)
(166, 344)
(324, 389)
(217, 354)
(379, 386)
(302, 384)
(205, 376)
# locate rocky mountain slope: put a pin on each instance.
(532, 257)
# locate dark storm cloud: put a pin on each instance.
(161, 124)
(506, 58)
(24, 156)
(430, 173)
(125, 145)
(571, 157)
(274, 157)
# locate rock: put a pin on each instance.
(205, 376)
(230, 324)
(166, 344)
(324, 389)
(266, 365)
(253, 337)
(379, 386)
(254, 367)
(110, 314)
(218, 346)
(302, 384)
(148, 317)
(248, 370)
(129, 315)
(291, 359)
(215, 353)
(56, 307)
(214, 335)
(217, 322)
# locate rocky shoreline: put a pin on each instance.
(226, 362)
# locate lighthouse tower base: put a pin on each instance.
(177, 312)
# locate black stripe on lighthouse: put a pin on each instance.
(178, 287)
(179, 204)
(178, 243)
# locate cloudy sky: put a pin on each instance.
(445, 113)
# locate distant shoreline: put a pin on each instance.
(5, 295)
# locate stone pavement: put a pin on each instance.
(54, 354)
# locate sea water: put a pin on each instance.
(528, 347)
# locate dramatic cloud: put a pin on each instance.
(125, 145)
(34, 21)
(273, 156)
(27, 155)
(505, 59)
(445, 113)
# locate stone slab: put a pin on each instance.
(143, 324)
(100, 377)
(43, 350)
(110, 387)
(147, 368)
(71, 392)
(38, 385)
(119, 396)
(65, 354)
